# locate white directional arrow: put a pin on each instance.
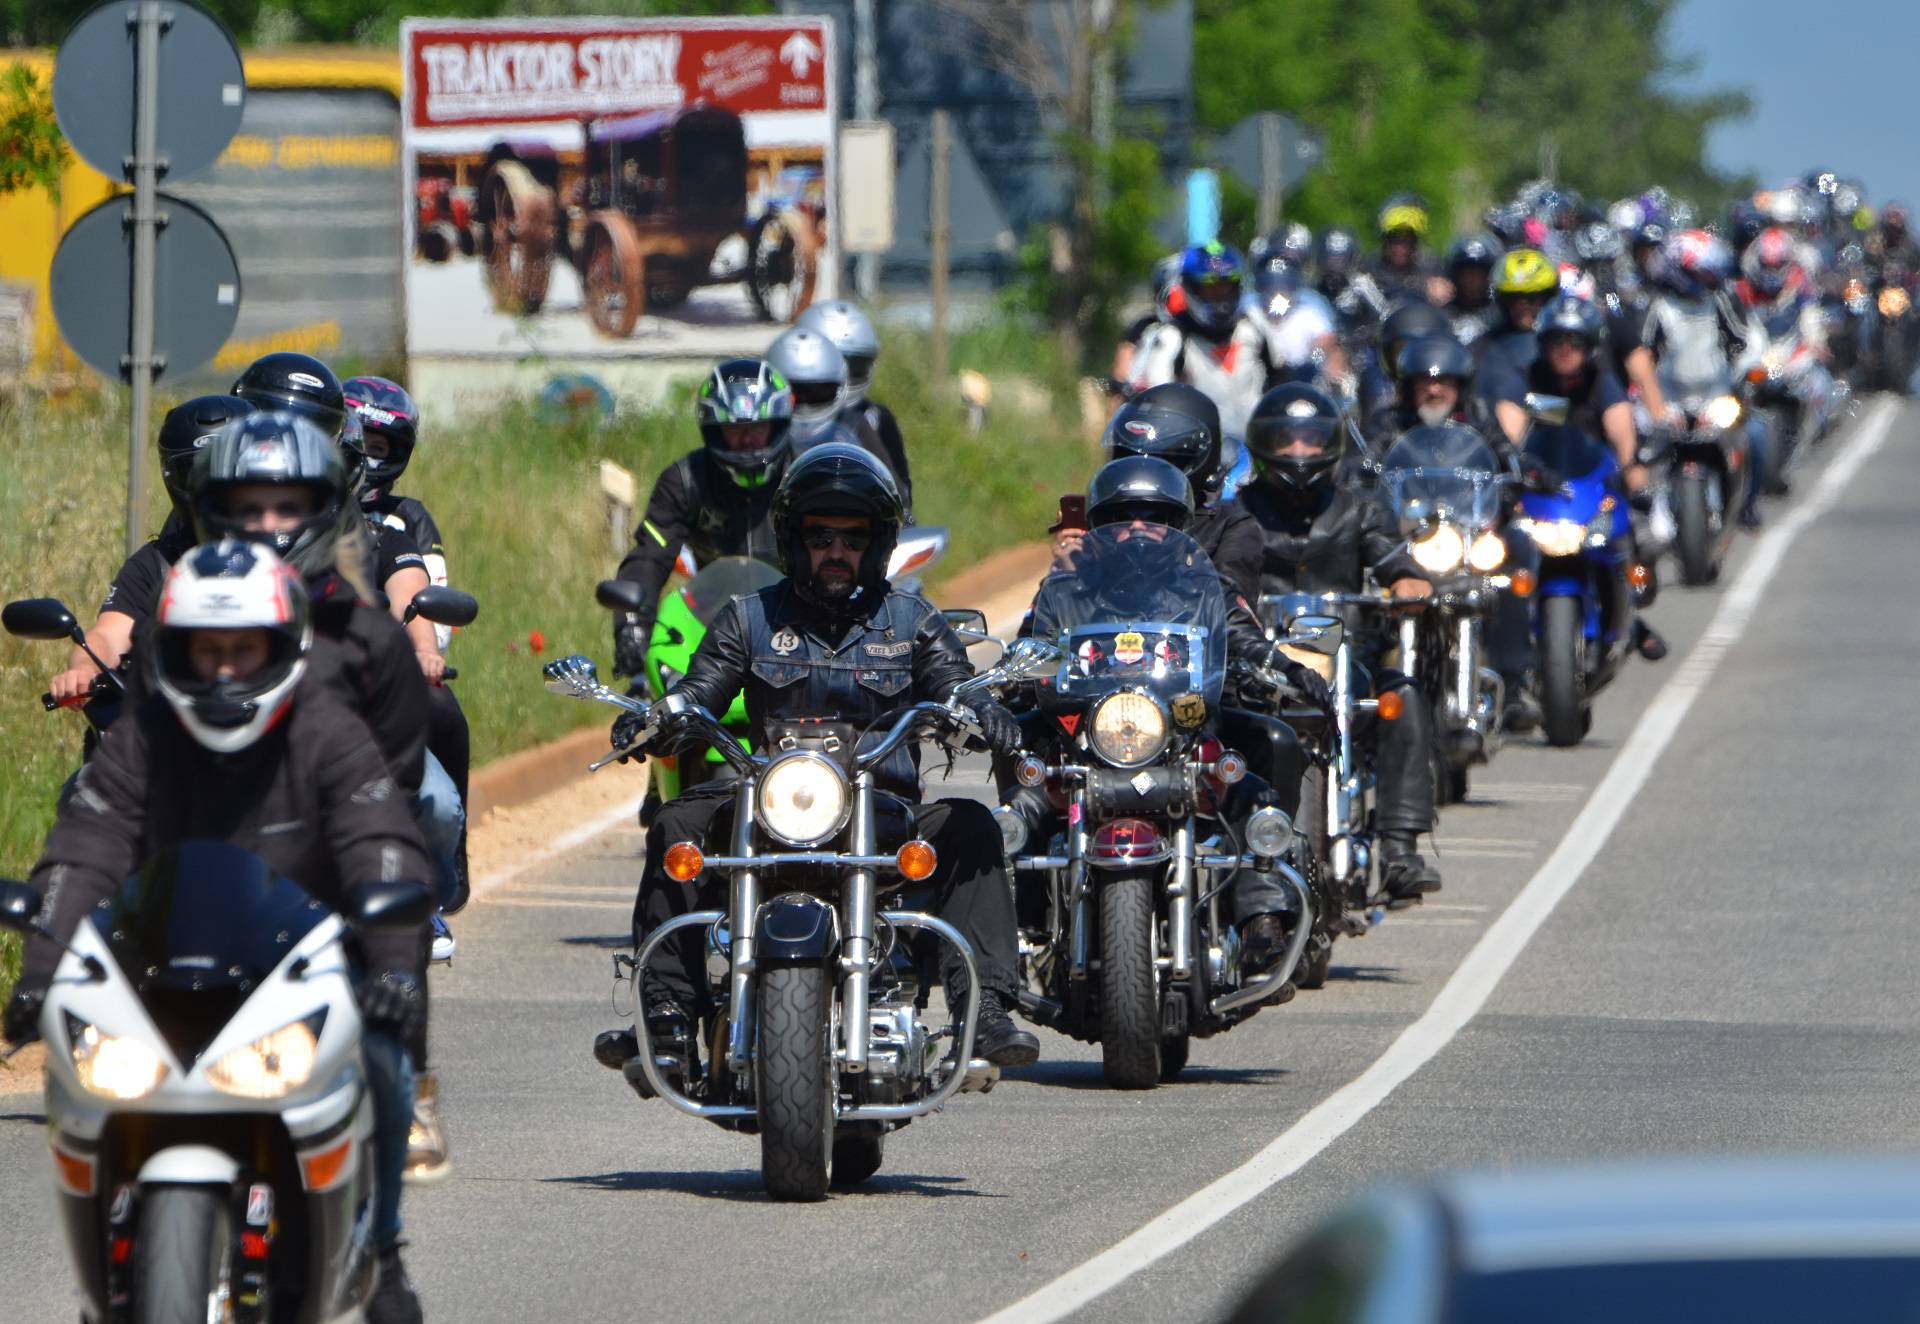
(799, 53)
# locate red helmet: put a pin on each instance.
(1770, 261)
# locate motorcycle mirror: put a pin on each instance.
(1027, 658)
(19, 906)
(1548, 408)
(970, 623)
(620, 595)
(1316, 634)
(444, 606)
(576, 677)
(40, 618)
(391, 905)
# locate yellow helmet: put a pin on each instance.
(1403, 211)
(1526, 271)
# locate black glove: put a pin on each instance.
(390, 1003)
(1307, 681)
(1537, 478)
(20, 1024)
(627, 728)
(998, 727)
(630, 640)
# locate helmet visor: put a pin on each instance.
(1291, 438)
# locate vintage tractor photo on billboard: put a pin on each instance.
(655, 206)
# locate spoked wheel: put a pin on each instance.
(182, 1259)
(1563, 646)
(520, 243)
(781, 266)
(1129, 988)
(616, 275)
(856, 1158)
(794, 1082)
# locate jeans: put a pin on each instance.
(441, 818)
(1760, 450)
(390, 1082)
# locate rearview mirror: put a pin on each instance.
(40, 618)
(620, 595)
(1316, 634)
(967, 621)
(574, 676)
(19, 906)
(1548, 408)
(1027, 658)
(391, 905)
(444, 606)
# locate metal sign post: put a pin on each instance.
(146, 182)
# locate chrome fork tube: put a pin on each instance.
(1078, 896)
(856, 929)
(1410, 645)
(1466, 669)
(1342, 785)
(746, 901)
(1180, 901)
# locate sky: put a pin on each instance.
(1833, 84)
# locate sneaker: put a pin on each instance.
(443, 944)
(427, 1159)
(998, 1039)
(393, 1301)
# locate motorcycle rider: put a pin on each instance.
(1402, 269)
(1433, 375)
(1380, 377)
(1340, 278)
(238, 739)
(852, 333)
(1890, 244)
(834, 638)
(1470, 262)
(816, 372)
(1777, 291)
(1208, 343)
(298, 384)
(1298, 326)
(1323, 536)
(717, 500)
(1524, 281)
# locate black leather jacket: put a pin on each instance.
(1326, 542)
(696, 502)
(794, 662)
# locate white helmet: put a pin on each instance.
(852, 333)
(817, 372)
(231, 585)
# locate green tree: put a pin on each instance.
(32, 151)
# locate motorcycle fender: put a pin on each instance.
(190, 1165)
(795, 929)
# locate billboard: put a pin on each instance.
(613, 187)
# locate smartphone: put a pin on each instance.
(1073, 512)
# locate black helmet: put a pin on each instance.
(1410, 321)
(1473, 250)
(746, 391)
(385, 408)
(1570, 315)
(186, 428)
(1339, 249)
(1175, 422)
(298, 383)
(837, 478)
(277, 449)
(1139, 487)
(1431, 357)
(1294, 413)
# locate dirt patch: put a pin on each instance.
(22, 1073)
(506, 835)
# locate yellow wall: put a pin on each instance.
(31, 223)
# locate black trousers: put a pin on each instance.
(968, 889)
(1402, 752)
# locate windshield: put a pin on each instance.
(1446, 473)
(721, 581)
(197, 930)
(1142, 608)
(1567, 451)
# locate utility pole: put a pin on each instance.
(146, 183)
(866, 107)
(1101, 40)
(1270, 174)
(937, 235)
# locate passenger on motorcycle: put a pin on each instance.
(1208, 343)
(1322, 536)
(1470, 262)
(852, 332)
(239, 739)
(834, 639)
(717, 500)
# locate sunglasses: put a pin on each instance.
(854, 540)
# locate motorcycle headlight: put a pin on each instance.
(1487, 553)
(1722, 412)
(114, 1065)
(1893, 301)
(1269, 831)
(1128, 728)
(273, 1065)
(1441, 550)
(1557, 537)
(802, 799)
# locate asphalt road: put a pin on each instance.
(1732, 971)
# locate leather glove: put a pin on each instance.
(1309, 683)
(1537, 478)
(998, 726)
(20, 1024)
(630, 640)
(627, 728)
(390, 1003)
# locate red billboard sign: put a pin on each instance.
(464, 73)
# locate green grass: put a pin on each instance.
(518, 500)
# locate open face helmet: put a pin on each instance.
(837, 478)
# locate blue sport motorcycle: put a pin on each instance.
(1584, 599)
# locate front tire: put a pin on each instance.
(181, 1256)
(1693, 535)
(1562, 648)
(794, 1082)
(1129, 991)
(1309, 829)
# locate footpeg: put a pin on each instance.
(981, 1077)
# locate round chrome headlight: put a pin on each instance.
(1440, 551)
(1487, 552)
(1269, 831)
(802, 799)
(1128, 728)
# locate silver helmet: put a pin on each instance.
(817, 372)
(852, 332)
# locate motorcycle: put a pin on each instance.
(1446, 488)
(1704, 469)
(1893, 291)
(817, 1046)
(207, 1107)
(1584, 598)
(1136, 953)
(688, 611)
(1788, 386)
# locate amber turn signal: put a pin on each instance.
(1639, 575)
(1390, 706)
(1521, 583)
(684, 861)
(1756, 375)
(916, 860)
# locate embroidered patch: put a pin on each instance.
(785, 642)
(1190, 710)
(900, 649)
(1129, 647)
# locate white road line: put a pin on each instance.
(1467, 991)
